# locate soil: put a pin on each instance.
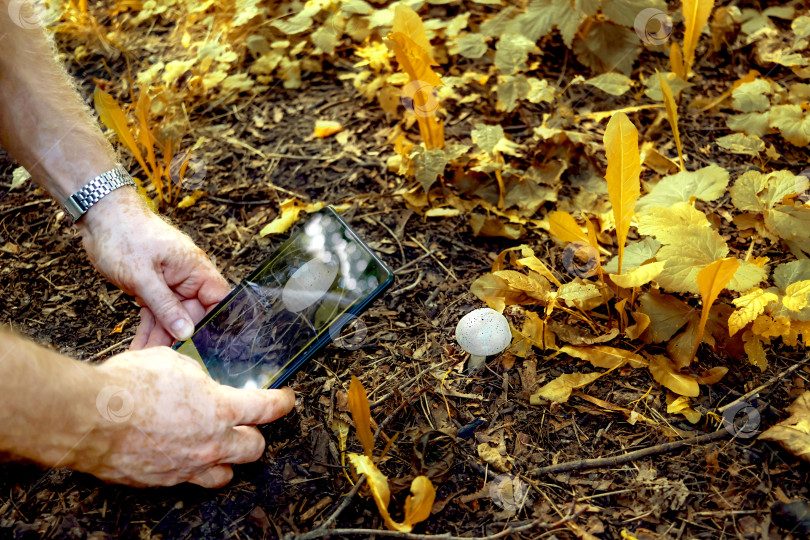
(409, 364)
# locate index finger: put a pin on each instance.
(253, 407)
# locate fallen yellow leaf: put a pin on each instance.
(417, 505)
(559, 390)
(563, 226)
(665, 372)
(638, 277)
(603, 356)
(325, 128)
(288, 215)
(361, 414)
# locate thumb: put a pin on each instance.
(166, 307)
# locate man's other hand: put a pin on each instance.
(170, 277)
(164, 421)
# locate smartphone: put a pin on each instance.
(290, 307)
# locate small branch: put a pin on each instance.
(416, 260)
(323, 527)
(747, 395)
(630, 456)
(99, 354)
(390, 417)
(369, 533)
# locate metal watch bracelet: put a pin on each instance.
(95, 190)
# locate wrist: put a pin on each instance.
(49, 413)
(117, 206)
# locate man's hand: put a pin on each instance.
(150, 417)
(169, 276)
(165, 421)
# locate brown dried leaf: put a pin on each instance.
(793, 434)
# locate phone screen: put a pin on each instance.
(287, 309)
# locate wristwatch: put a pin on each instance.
(92, 192)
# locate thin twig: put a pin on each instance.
(402, 405)
(111, 348)
(446, 536)
(630, 456)
(26, 205)
(449, 272)
(413, 262)
(331, 519)
(409, 287)
(387, 228)
(782, 375)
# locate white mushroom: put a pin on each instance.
(483, 332)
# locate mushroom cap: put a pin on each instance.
(483, 332)
(308, 284)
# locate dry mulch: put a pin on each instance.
(52, 294)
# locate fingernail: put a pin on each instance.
(182, 329)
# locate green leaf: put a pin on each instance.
(792, 122)
(614, 84)
(740, 143)
(667, 223)
(325, 38)
(653, 84)
(788, 273)
(706, 184)
(635, 254)
(470, 46)
(540, 91)
(511, 53)
(543, 15)
(18, 177)
(608, 47)
(429, 165)
(487, 137)
(751, 96)
(694, 249)
(757, 192)
(748, 276)
(511, 89)
(497, 25)
(294, 25)
(801, 29)
(624, 12)
(754, 124)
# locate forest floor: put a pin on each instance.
(718, 489)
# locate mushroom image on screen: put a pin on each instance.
(483, 332)
(308, 284)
